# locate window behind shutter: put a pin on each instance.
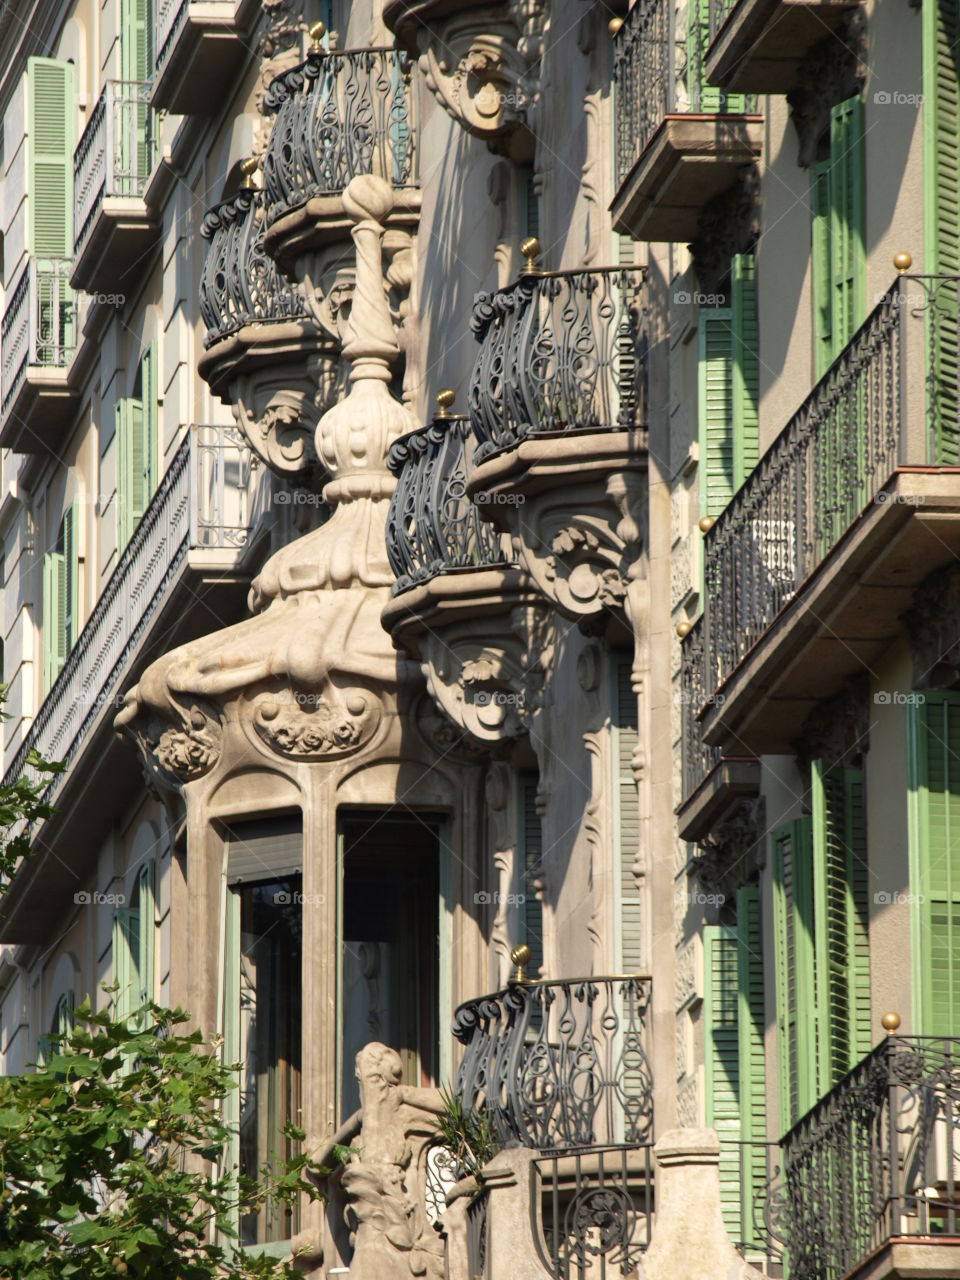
(846, 202)
(54, 613)
(820, 254)
(146, 911)
(50, 157)
(126, 957)
(721, 1001)
(531, 856)
(149, 424)
(69, 534)
(746, 366)
(716, 407)
(627, 818)
(795, 970)
(935, 779)
(941, 130)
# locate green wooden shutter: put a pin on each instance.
(716, 407)
(50, 143)
(627, 818)
(752, 1058)
(846, 203)
(941, 132)
(858, 912)
(54, 613)
(146, 913)
(531, 855)
(529, 204)
(936, 779)
(136, 39)
(746, 366)
(820, 258)
(722, 1061)
(795, 970)
(231, 1028)
(149, 424)
(69, 534)
(705, 98)
(126, 958)
(133, 467)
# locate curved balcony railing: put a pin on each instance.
(115, 154)
(560, 1065)
(39, 325)
(559, 351)
(878, 1157)
(432, 525)
(659, 71)
(698, 758)
(240, 284)
(337, 116)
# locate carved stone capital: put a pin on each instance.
(833, 70)
(839, 730)
(933, 631)
(481, 61)
(734, 848)
(178, 747)
(728, 226)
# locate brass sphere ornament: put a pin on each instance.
(520, 956)
(683, 629)
(316, 34)
(530, 248)
(890, 1022)
(614, 26)
(445, 399)
(903, 262)
(706, 524)
(248, 168)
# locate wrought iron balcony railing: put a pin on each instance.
(432, 526)
(828, 464)
(559, 351)
(658, 71)
(698, 758)
(340, 115)
(877, 1158)
(207, 500)
(240, 284)
(170, 16)
(39, 325)
(560, 1065)
(115, 154)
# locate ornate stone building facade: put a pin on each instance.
(464, 678)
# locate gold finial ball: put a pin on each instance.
(890, 1022)
(530, 248)
(445, 399)
(706, 524)
(248, 168)
(614, 25)
(683, 629)
(316, 34)
(520, 955)
(903, 262)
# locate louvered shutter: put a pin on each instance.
(126, 957)
(149, 424)
(746, 366)
(529, 205)
(136, 39)
(627, 819)
(752, 1062)
(50, 158)
(146, 913)
(941, 127)
(132, 465)
(716, 407)
(795, 970)
(722, 1061)
(846, 205)
(937, 781)
(69, 533)
(858, 909)
(821, 277)
(54, 611)
(531, 855)
(705, 98)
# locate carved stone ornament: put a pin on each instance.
(183, 750)
(833, 70)
(733, 850)
(728, 226)
(308, 725)
(838, 730)
(933, 631)
(481, 61)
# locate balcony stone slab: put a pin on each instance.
(688, 163)
(200, 49)
(911, 1259)
(844, 617)
(761, 44)
(730, 780)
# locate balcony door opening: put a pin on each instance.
(389, 971)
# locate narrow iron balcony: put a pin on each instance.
(199, 47)
(38, 341)
(810, 567)
(240, 285)
(870, 1177)
(113, 228)
(757, 46)
(680, 142)
(186, 563)
(339, 115)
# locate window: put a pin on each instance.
(705, 97)
(61, 575)
(137, 54)
(626, 800)
(133, 948)
(137, 466)
(934, 771)
(729, 375)
(837, 205)
(735, 1067)
(531, 858)
(60, 1026)
(263, 1000)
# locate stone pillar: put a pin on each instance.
(690, 1241)
(511, 1252)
